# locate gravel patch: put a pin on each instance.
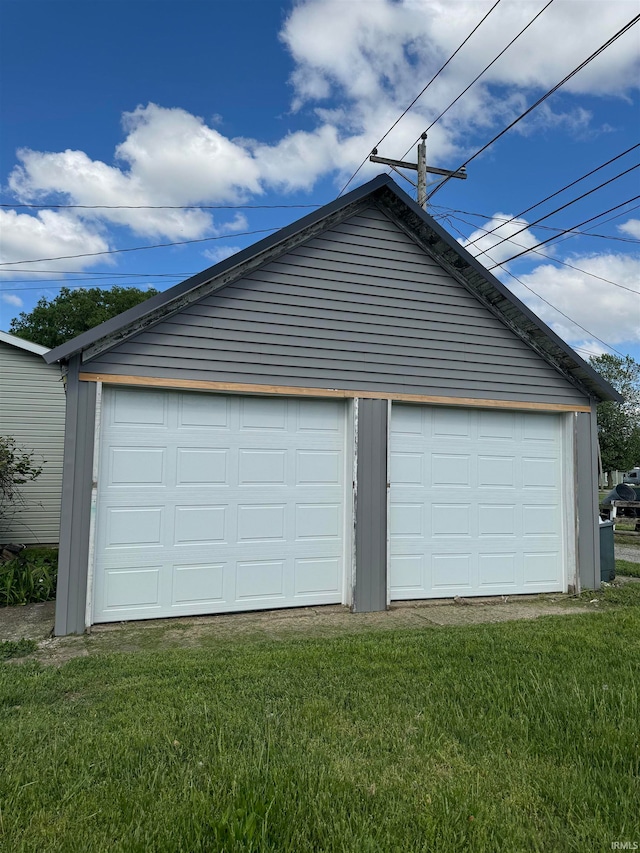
(628, 552)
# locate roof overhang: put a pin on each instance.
(20, 343)
(421, 227)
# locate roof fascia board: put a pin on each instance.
(158, 307)
(470, 272)
(15, 341)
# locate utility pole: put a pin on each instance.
(421, 168)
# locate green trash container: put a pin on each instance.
(607, 552)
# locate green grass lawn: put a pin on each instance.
(626, 567)
(520, 736)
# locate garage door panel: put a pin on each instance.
(497, 520)
(236, 516)
(201, 466)
(472, 507)
(452, 572)
(130, 466)
(262, 467)
(129, 409)
(450, 470)
(450, 520)
(539, 567)
(496, 426)
(320, 416)
(318, 467)
(540, 473)
(497, 569)
(314, 576)
(263, 414)
(201, 411)
(260, 579)
(197, 584)
(496, 472)
(450, 423)
(261, 522)
(133, 526)
(406, 468)
(406, 572)
(132, 587)
(318, 521)
(199, 525)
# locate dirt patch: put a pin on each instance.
(36, 621)
(29, 621)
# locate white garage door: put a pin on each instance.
(476, 503)
(208, 504)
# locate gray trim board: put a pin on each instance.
(73, 556)
(370, 593)
(587, 499)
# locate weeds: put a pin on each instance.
(16, 648)
(30, 577)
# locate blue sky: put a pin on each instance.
(146, 105)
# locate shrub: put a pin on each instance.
(16, 468)
(30, 577)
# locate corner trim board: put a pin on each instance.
(294, 391)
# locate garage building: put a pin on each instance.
(351, 411)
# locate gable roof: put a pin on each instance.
(15, 341)
(425, 231)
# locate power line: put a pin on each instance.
(107, 276)
(142, 248)
(421, 93)
(569, 203)
(569, 185)
(61, 284)
(544, 97)
(504, 220)
(548, 257)
(111, 274)
(566, 231)
(555, 308)
(484, 70)
(163, 206)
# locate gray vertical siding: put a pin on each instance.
(371, 508)
(75, 520)
(360, 307)
(587, 499)
(32, 411)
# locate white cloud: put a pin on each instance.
(603, 309)
(378, 57)
(353, 79)
(169, 157)
(589, 348)
(220, 253)
(11, 299)
(631, 227)
(238, 223)
(47, 235)
(496, 247)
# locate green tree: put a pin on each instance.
(618, 423)
(72, 312)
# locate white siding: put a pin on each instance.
(32, 408)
